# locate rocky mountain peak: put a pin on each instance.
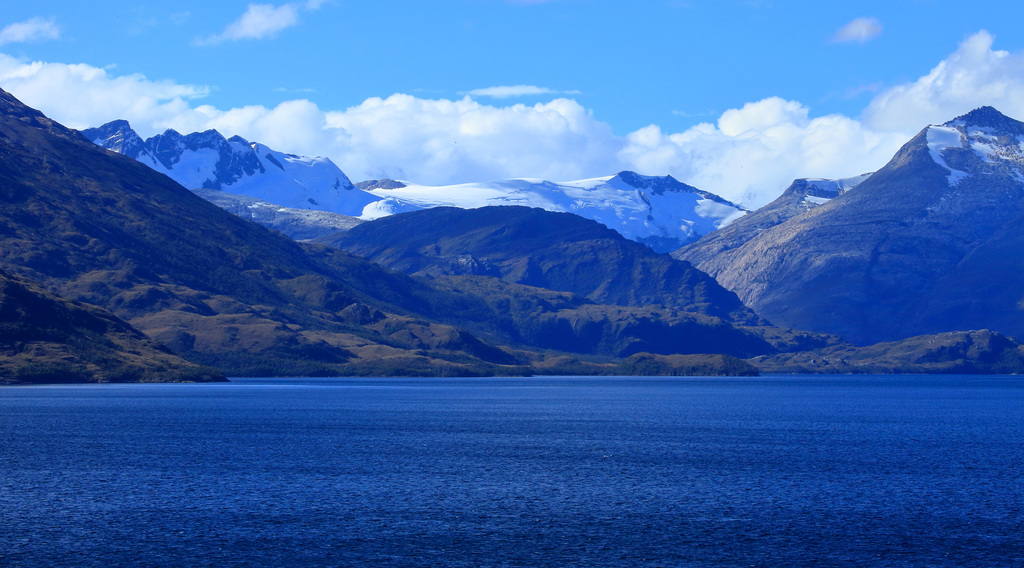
(169, 134)
(206, 139)
(166, 148)
(815, 188)
(988, 118)
(208, 160)
(930, 242)
(118, 136)
(653, 184)
(660, 185)
(983, 142)
(386, 183)
(119, 126)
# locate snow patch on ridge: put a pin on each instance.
(815, 200)
(837, 186)
(941, 138)
(662, 209)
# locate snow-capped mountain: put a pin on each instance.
(983, 142)
(658, 211)
(661, 212)
(206, 160)
(932, 242)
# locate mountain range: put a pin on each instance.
(441, 291)
(658, 211)
(207, 160)
(100, 228)
(931, 242)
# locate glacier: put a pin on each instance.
(659, 211)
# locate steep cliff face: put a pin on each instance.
(927, 244)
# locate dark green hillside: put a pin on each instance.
(625, 298)
(955, 352)
(44, 338)
(562, 321)
(538, 248)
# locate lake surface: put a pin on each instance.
(766, 472)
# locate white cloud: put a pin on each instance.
(34, 29)
(431, 141)
(98, 96)
(974, 75)
(442, 141)
(749, 154)
(860, 30)
(513, 91)
(261, 21)
(754, 152)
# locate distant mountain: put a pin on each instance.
(44, 338)
(658, 211)
(206, 160)
(299, 224)
(932, 242)
(97, 227)
(87, 226)
(534, 247)
(616, 283)
(717, 248)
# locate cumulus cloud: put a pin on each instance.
(974, 75)
(754, 152)
(860, 30)
(34, 29)
(261, 21)
(748, 154)
(512, 91)
(98, 97)
(442, 141)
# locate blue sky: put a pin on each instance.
(737, 97)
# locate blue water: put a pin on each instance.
(766, 472)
